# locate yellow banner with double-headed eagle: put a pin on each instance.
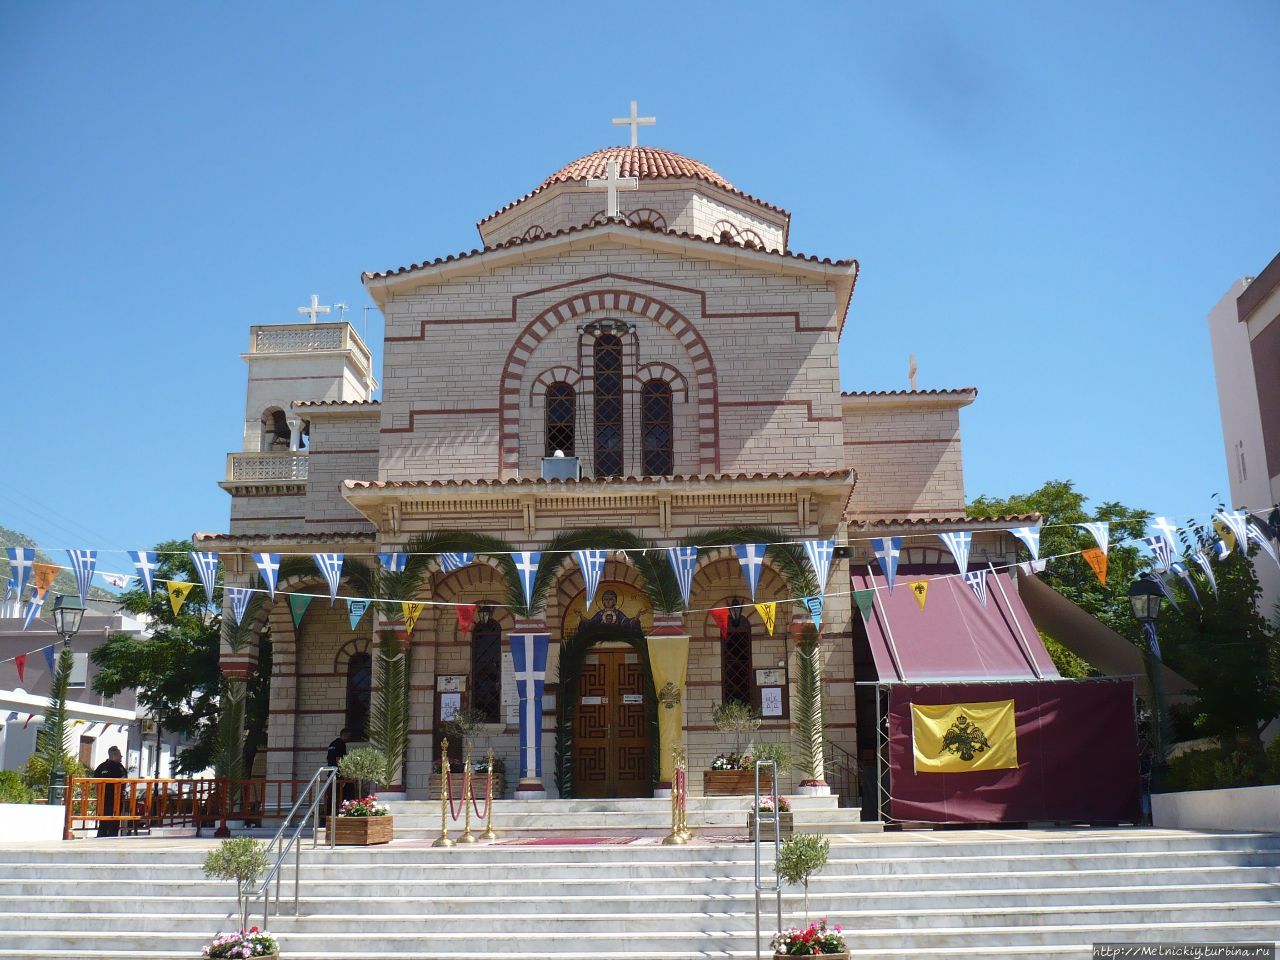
(961, 737)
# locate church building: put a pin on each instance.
(634, 346)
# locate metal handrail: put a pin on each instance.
(324, 783)
(761, 822)
(845, 767)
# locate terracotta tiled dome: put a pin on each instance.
(647, 163)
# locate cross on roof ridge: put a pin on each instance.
(634, 123)
(613, 183)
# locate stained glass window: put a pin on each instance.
(486, 666)
(561, 418)
(608, 406)
(359, 688)
(655, 407)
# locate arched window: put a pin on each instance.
(275, 431)
(560, 419)
(735, 659)
(359, 687)
(608, 406)
(486, 665)
(656, 428)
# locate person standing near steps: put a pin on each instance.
(338, 750)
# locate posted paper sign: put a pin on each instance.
(771, 701)
(450, 704)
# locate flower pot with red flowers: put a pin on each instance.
(362, 822)
(251, 944)
(785, 824)
(816, 940)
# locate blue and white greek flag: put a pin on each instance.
(393, 562)
(1207, 567)
(239, 597)
(33, 610)
(355, 610)
(144, 561)
(20, 566)
(1237, 522)
(684, 560)
(751, 558)
(83, 563)
(1101, 530)
(207, 567)
(1167, 530)
(527, 569)
(815, 605)
(886, 550)
(591, 563)
(1159, 548)
(977, 581)
(819, 553)
(1181, 570)
(1221, 550)
(450, 562)
(958, 543)
(330, 565)
(1163, 584)
(1031, 537)
(268, 565)
(1258, 537)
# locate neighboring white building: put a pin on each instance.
(1244, 329)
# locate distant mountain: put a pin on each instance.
(65, 582)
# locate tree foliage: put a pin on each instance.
(51, 739)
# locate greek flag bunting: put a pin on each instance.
(977, 581)
(21, 560)
(684, 560)
(207, 567)
(751, 557)
(1159, 548)
(1237, 523)
(118, 580)
(330, 565)
(239, 597)
(355, 610)
(1163, 584)
(1029, 567)
(48, 656)
(1258, 537)
(1169, 531)
(815, 605)
(393, 562)
(1221, 549)
(886, 550)
(1031, 537)
(819, 553)
(1181, 570)
(268, 565)
(83, 563)
(33, 609)
(591, 563)
(527, 569)
(450, 562)
(958, 543)
(144, 561)
(1101, 530)
(1207, 567)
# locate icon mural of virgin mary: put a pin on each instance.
(609, 614)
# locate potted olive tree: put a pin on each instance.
(243, 860)
(733, 774)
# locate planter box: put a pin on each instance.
(829, 956)
(1247, 809)
(786, 826)
(733, 783)
(362, 831)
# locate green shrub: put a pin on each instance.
(13, 790)
(242, 859)
(1217, 768)
(736, 717)
(366, 765)
(800, 858)
(779, 753)
(35, 773)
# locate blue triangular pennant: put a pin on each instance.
(887, 550)
(684, 560)
(268, 565)
(207, 568)
(527, 569)
(330, 565)
(83, 563)
(751, 559)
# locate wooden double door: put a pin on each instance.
(611, 735)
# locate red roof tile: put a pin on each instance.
(943, 521)
(337, 403)
(610, 481)
(645, 163)
(336, 536)
(585, 228)
(909, 393)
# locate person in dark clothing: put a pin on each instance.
(108, 793)
(338, 750)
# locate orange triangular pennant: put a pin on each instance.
(44, 574)
(1098, 561)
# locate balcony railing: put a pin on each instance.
(266, 467)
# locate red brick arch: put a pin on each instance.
(706, 390)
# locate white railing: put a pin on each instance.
(299, 338)
(262, 467)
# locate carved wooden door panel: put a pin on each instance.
(591, 727)
(630, 747)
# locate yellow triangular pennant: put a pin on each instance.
(178, 590)
(411, 610)
(769, 614)
(921, 589)
(1224, 532)
(44, 574)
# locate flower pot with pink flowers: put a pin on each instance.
(251, 944)
(785, 824)
(362, 822)
(816, 940)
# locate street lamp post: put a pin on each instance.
(1145, 598)
(68, 612)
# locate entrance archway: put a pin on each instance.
(606, 713)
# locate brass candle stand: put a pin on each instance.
(443, 840)
(680, 832)
(489, 832)
(467, 835)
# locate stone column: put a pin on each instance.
(419, 761)
(528, 642)
(295, 433)
(669, 661)
(283, 709)
(808, 642)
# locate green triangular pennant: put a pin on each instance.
(298, 606)
(865, 600)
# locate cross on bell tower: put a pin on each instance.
(314, 309)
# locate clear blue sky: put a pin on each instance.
(1046, 199)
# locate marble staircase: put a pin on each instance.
(998, 894)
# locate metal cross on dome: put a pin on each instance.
(634, 123)
(314, 309)
(613, 183)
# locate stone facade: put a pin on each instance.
(745, 336)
